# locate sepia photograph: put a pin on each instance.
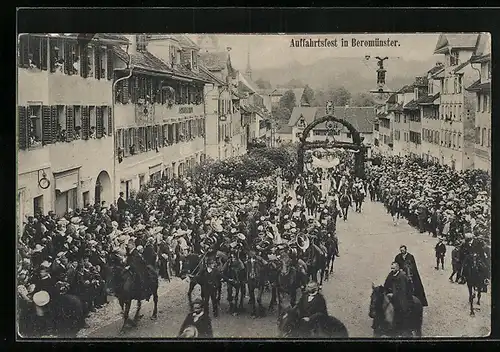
(194, 186)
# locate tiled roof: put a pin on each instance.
(395, 107)
(481, 58)
(392, 98)
(456, 40)
(361, 118)
(436, 69)
(205, 73)
(478, 86)
(407, 89)
(185, 42)
(214, 61)
(428, 99)
(412, 105)
(147, 61)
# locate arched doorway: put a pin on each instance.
(103, 189)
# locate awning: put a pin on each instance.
(66, 181)
(155, 169)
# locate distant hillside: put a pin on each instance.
(352, 73)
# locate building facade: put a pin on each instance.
(482, 88)
(65, 122)
(457, 106)
(429, 114)
(159, 109)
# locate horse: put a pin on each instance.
(325, 326)
(475, 274)
(332, 253)
(395, 209)
(358, 197)
(238, 283)
(311, 200)
(288, 281)
(316, 261)
(345, 203)
(126, 291)
(382, 313)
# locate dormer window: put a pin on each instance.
(454, 58)
(302, 122)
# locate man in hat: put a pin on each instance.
(138, 266)
(455, 263)
(407, 263)
(311, 306)
(399, 291)
(440, 250)
(198, 319)
(210, 278)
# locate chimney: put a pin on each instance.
(132, 38)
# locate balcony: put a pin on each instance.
(130, 115)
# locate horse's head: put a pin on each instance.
(376, 300)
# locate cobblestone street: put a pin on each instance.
(368, 243)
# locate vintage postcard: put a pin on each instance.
(253, 186)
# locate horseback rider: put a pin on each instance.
(138, 266)
(311, 306)
(399, 291)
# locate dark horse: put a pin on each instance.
(345, 203)
(126, 290)
(332, 248)
(285, 279)
(324, 326)
(311, 200)
(475, 274)
(358, 198)
(382, 313)
(237, 282)
(316, 262)
(193, 264)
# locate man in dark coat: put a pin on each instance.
(149, 254)
(199, 320)
(455, 264)
(399, 290)
(440, 253)
(210, 279)
(407, 263)
(139, 267)
(310, 307)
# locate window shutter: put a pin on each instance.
(110, 121)
(84, 66)
(24, 51)
(97, 62)
(46, 125)
(125, 91)
(66, 57)
(99, 121)
(109, 63)
(44, 47)
(85, 122)
(23, 127)
(70, 123)
(53, 123)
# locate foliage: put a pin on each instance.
(288, 100)
(362, 99)
(293, 83)
(338, 95)
(308, 95)
(263, 84)
(283, 157)
(281, 115)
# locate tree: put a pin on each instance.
(293, 83)
(288, 100)
(308, 95)
(263, 84)
(363, 99)
(339, 96)
(249, 168)
(281, 114)
(320, 98)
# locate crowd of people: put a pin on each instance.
(75, 255)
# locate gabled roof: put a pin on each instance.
(407, 89)
(480, 58)
(483, 46)
(362, 118)
(412, 105)
(436, 69)
(210, 76)
(479, 87)
(428, 99)
(456, 41)
(461, 66)
(307, 113)
(392, 98)
(395, 107)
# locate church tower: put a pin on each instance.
(248, 72)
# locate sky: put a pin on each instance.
(267, 51)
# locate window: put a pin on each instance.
(141, 180)
(454, 58)
(488, 70)
(483, 136)
(488, 102)
(430, 87)
(459, 140)
(38, 205)
(194, 59)
(485, 103)
(34, 125)
(459, 84)
(416, 93)
(478, 102)
(86, 199)
(489, 137)
(477, 135)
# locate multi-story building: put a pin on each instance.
(429, 115)
(272, 96)
(411, 111)
(457, 106)
(159, 109)
(481, 61)
(65, 121)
